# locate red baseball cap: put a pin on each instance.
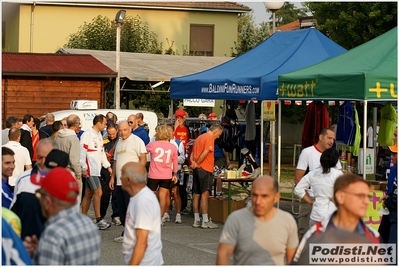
(59, 183)
(180, 113)
(212, 115)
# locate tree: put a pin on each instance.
(287, 14)
(249, 35)
(100, 34)
(351, 24)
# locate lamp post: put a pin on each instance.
(273, 6)
(119, 21)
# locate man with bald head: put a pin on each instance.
(129, 148)
(67, 141)
(137, 129)
(49, 120)
(261, 234)
(142, 243)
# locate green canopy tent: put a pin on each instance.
(365, 73)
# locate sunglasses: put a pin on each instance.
(130, 122)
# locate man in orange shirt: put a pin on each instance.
(202, 163)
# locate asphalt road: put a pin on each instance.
(182, 244)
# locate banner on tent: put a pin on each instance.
(199, 102)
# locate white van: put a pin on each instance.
(86, 114)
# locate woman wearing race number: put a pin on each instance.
(163, 167)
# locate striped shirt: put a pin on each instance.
(69, 238)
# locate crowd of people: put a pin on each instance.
(52, 174)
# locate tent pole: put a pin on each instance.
(364, 138)
(273, 144)
(171, 109)
(279, 147)
(375, 136)
(261, 136)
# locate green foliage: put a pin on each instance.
(155, 100)
(293, 114)
(100, 34)
(249, 35)
(287, 14)
(351, 24)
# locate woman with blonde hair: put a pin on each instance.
(163, 166)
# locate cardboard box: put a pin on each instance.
(374, 185)
(217, 209)
(228, 174)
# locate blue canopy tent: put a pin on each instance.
(253, 75)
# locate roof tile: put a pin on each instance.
(192, 4)
(53, 63)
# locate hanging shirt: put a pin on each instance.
(346, 126)
(358, 137)
(250, 130)
(316, 119)
(388, 123)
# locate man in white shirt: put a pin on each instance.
(309, 160)
(142, 243)
(92, 157)
(22, 157)
(130, 148)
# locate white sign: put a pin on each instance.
(352, 254)
(369, 161)
(199, 102)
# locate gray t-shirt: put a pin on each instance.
(259, 242)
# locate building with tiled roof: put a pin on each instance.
(44, 27)
(40, 83)
(31, 64)
(300, 23)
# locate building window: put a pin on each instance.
(201, 40)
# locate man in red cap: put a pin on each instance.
(69, 237)
(212, 116)
(181, 130)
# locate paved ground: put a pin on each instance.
(182, 244)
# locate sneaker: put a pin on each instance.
(118, 239)
(209, 224)
(197, 224)
(178, 218)
(116, 221)
(162, 222)
(166, 218)
(185, 211)
(102, 225)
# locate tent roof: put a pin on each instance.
(366, 72)
(151, 67)
(253, 75)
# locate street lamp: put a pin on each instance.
(273, 6)
(119, 21)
